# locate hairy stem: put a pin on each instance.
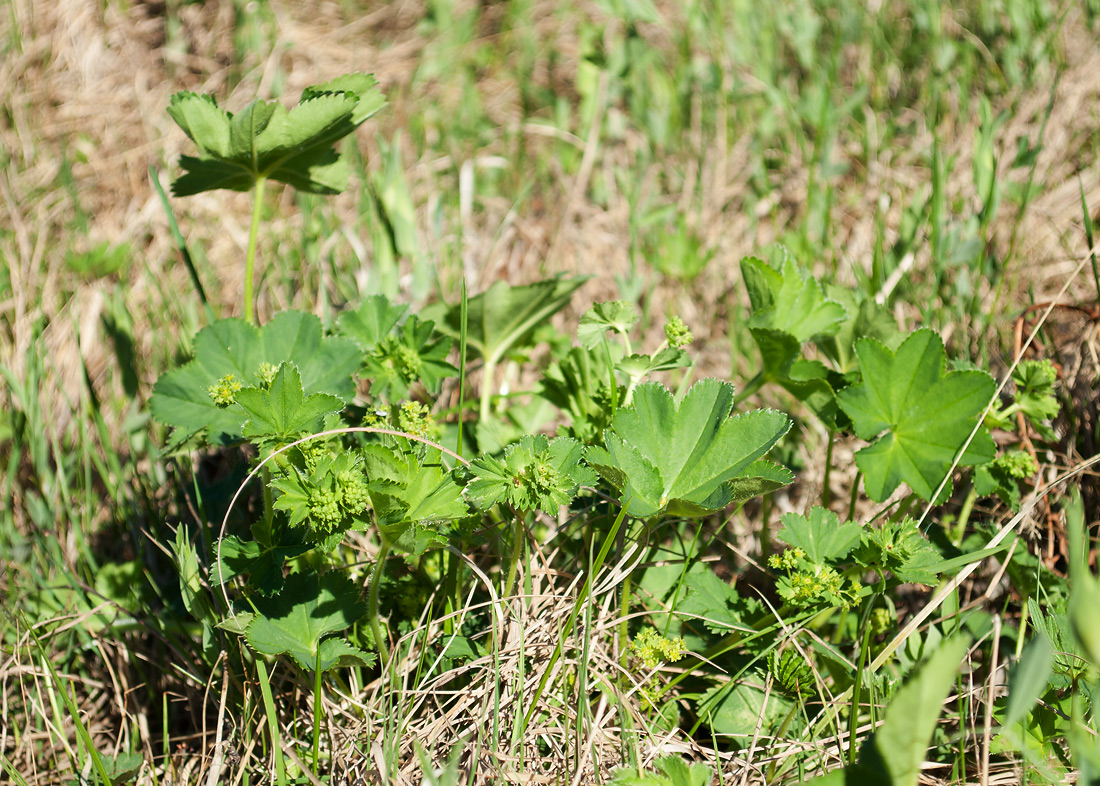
(317, 709)
(517, 552)
(372, 604)
(250, 257)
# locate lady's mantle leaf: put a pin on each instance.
(617, 316)
(283, 411)
(233, 348)
(535, 473)
(371, 322)
(412, 497)
(309, 608)
(657, 453)
(264, 140)
(788, 301)
(927, 415)
(820, 535)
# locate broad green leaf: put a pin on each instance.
(789, 301)
(820, 535)
(671, 771)
(535, 473)
(712, 603)
(738, 710)
(639, 366)
(760, 477)
(503, 317)
(1029, 679)
(413, 497)
(617, 316)
(658, 452)
(371, 322)
(309, 608)
(263, 564)
(283, 412)
(898, 747)
(926, 412)
(265, 141)
(233, 348)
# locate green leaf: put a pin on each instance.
(262, 563)
(535, 473)
(821, 536)
(265, 141)
(371, 322)
(639, 366)
(415, 353)
(577, 385)
(866, 319)
(232, 347)
(617, 316)
(738, 710)
(712, 603)
(671, 771)
(898, 747)
(788, 300)
(926, 413)
(658, 452)
(309, 608)
(283, 412)
(900, 548)
(760, 477)
(503, 317)
(1029, 679)
(412, 496)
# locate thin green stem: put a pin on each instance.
(624, 630)
(372, 604)
(488, 371)
(751, 387)
(317, 710)
(517, 549)
(250, 257)
(855, 494)
(826, 494)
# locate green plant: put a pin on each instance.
(264, 142)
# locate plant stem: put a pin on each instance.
(372, 604)
(517, 548)
(250, 257)
(751, 387)
(488, 371)
(624, 630)
(826, 496)
(855, 494)
(317, 709)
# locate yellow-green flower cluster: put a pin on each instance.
(224, 391)
(652, 648)
(414, 418)
(677, 333)
(266, 374)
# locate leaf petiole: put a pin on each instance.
(250, 257)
